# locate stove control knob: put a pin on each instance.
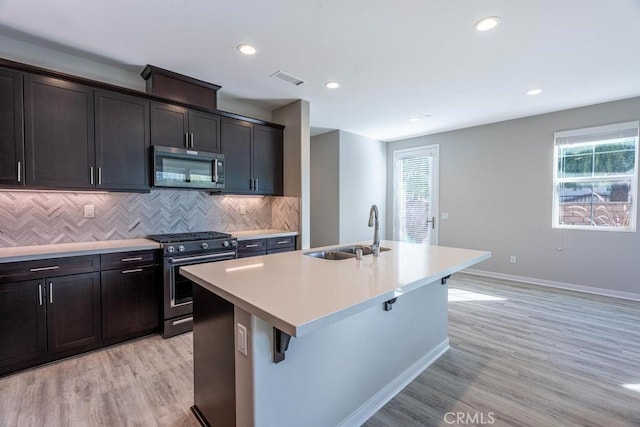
(180, 248)
(234, 243)
(171, 249)
(225, 243)
(205, 245)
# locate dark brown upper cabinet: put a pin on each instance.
(175, 126)
(11, 129)
(267, 160)
(59, 139)
(122, 142)
(253, 158)
(236, 137)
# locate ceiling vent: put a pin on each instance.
(287, 78)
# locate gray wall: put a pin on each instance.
(348, 175)
(104, 70)
(325, 191)
(496, 184)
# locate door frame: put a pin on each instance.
(433, 149)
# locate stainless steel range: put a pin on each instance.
(178, 250)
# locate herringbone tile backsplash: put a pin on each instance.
(42, 218)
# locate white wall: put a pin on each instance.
(496, 186)
(325, 189)
(359, 165)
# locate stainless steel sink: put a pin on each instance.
(345, 252)
(331, 254)
(366, 250)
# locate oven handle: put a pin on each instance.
(204, 258)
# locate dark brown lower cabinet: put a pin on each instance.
(73, 312)
(130, 303)
(23, 331)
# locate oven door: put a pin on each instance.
(178, 290)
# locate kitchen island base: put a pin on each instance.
(337, 375)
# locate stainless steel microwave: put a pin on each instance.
(181, 168)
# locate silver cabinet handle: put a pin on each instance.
(40, 293)
(91, 174)
(33, 270)
(215, 170)
(181, 321)
(191, 140)
(282, 242)
(252, 246)
(99, 176)
(186, 140)
(136, 270)
(19, 171)
(50, 293)
(255, 186)
(136, 258)
(250, 184)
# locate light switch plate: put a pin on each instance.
(242, 339)
(444, 215)
(89, 211)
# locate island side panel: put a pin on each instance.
(213, 358)
(343, 373)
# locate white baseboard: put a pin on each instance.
(552, 284)
(373, 405)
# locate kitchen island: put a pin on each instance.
(361, 330)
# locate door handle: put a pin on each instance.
(432, 221)
(40, 293)
(91, 174)
(50, 293)
(99, 176)
(186, 140)
(19, 172)
(191, 140)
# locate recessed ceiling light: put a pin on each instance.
(487, 24)
(414, 119)
(536, 91)
(332, 85)
(247, 49)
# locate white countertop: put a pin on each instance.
(262, 234)
(29, 253)
(297, 293)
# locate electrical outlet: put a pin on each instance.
(444, 215)
(513, 259)
(243, 210)
(89, 211)
(242, 339)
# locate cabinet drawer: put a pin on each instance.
(52, 267)
(281, 242)
(123, 260)
(251, 245)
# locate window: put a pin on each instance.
(595, 178)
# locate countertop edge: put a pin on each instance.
(262, 234)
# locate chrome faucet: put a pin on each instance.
(374, 222)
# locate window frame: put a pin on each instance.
(592, 136)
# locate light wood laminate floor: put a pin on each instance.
(520, 355)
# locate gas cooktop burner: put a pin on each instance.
(186, 237)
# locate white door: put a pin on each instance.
(415, 196)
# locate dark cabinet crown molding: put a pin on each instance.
(113, 88)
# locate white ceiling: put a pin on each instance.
(394, 59)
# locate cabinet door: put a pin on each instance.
(267, 160)
(73, 312)
(130, 302)
(122, 141)
(235, 139)
(11, 129)
(169, 125)
(59, 141)
(22, 322)
(205, 131)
